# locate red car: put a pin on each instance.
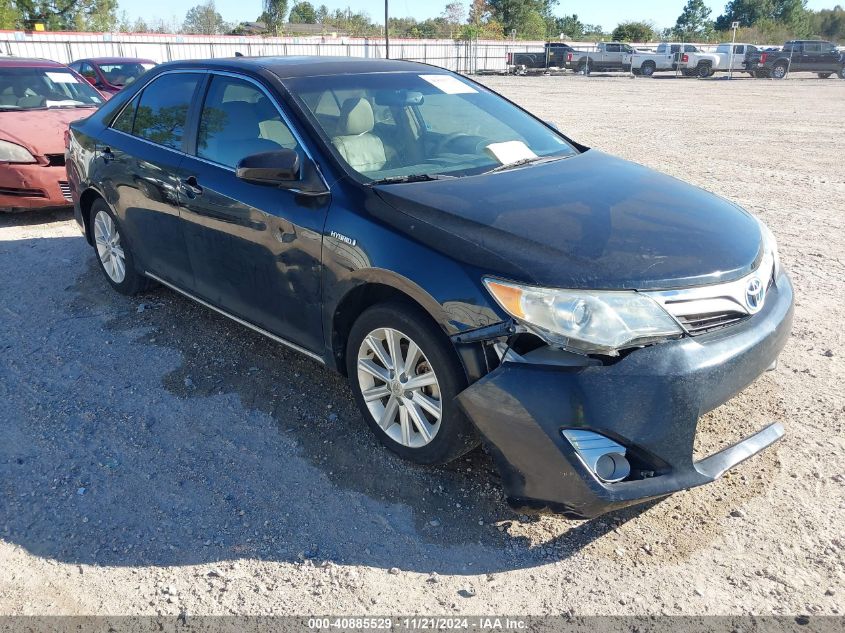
(38, 99)
(110, 74)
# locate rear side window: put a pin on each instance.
(162, 109)
(126, 118)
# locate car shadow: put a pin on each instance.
(152, 431)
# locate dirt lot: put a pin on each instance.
(158, 459)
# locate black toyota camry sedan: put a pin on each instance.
(477, 275)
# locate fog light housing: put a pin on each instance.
(601, 455)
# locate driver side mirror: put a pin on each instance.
(282, 168)
(269, 168)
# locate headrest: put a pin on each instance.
(356, 117)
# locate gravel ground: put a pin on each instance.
(159, 459)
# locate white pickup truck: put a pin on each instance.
(666, 57)
(705, 63)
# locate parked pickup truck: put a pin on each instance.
(813, 56)
(553, 55)
(608, 56)
(666, 57)
(706, 63)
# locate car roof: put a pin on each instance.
(290, 67)
(113, 60)
(28, 62)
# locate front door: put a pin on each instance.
(255, 249)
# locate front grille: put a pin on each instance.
(697, 324)
(55, 160)
(22, 192)
(65, 187)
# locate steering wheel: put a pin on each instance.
(446, 140)
(480, 143)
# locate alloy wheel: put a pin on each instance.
(399, 387)
(109, 249)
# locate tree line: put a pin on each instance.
(759, 20)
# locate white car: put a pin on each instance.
(706, 63)
(666, 57)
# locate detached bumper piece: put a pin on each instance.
(588, 440)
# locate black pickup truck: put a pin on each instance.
(553, 55)
(803, 56)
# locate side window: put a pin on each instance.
(627, 49)
(812, 47)
(163, 109)
(689, 48)
(661, 48)
(126, 118)
(238, 120)
(87, 71)
(612, 48)
(383, 115)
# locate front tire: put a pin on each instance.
(841, 73)
(113, 252)
(405, 375)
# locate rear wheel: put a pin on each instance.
(704, 71)
(405, 375)
(841, 73)
(779, 71)
(647, 69)
(113, 252)
(824, 75)
(583, 67)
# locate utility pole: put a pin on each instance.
(386, 33)
(734, 26)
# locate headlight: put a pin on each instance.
(770, 246)
(589, 322)
(12, 153)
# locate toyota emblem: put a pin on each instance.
(755, 293)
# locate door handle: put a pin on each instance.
(191, 188)
(107, 154)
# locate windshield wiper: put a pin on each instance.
(525, 161)
(391, 180)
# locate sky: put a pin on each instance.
(607, 13)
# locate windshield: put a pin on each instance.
(40, 88)
(124, 73)
(396, 125)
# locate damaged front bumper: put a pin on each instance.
(649, 402)
(34, 186)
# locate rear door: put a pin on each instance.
(138, 163)
(611, 57)
(255, 249)
(811, 56)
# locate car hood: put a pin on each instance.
(590, 221)
(40, 131)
